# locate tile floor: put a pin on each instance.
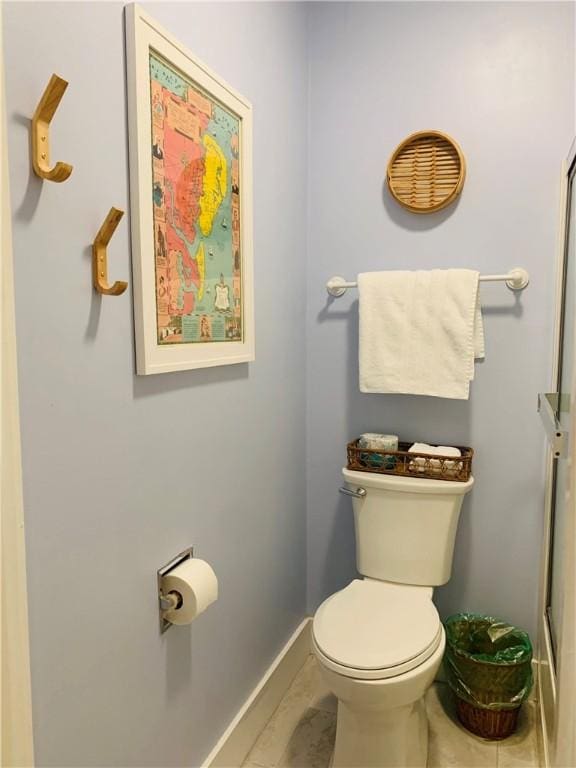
(300, 734)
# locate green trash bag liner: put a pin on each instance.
(488, 662)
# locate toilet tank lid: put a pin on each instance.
(375, 625)
(406, 484)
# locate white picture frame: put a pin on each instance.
(155, 352)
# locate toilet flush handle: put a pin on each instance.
(359, 493)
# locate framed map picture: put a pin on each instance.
(191, 206)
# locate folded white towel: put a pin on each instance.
(419, 332)
(418, 464)
(435, 450)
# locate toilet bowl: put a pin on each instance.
(379, 646)
(379, 641)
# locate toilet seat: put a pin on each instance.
(373, 629)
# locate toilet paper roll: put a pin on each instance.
(196, 582)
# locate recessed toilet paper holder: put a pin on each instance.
(170, 600)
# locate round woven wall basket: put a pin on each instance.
(426, 172)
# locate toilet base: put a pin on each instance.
(381, 723)
(396, 738)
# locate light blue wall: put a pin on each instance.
(499, 78)
(120, 472)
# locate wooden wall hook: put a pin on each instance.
(100, 257)
(43, 115)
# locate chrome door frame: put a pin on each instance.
(548, 683)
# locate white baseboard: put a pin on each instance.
(546, 702)
(238, 738)
(534, 693)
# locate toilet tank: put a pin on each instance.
(405, 526)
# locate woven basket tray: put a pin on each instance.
(401, 462)
(426, 172)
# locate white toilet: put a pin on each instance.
(379, 641)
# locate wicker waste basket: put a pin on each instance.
(489, 668)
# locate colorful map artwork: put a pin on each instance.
(196, 204)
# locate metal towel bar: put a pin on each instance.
(517, 279)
